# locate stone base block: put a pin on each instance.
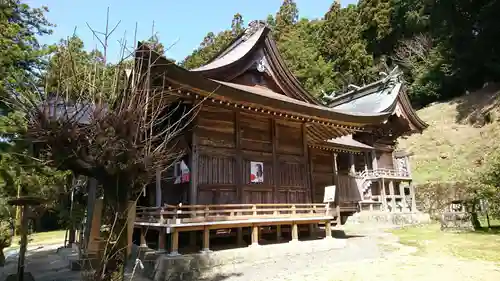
(379, 217)
(200, 265)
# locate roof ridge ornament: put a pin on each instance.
(392, 77)
(253, 27)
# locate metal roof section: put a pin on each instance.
(381, 100)
(379, 96)
(384, 95)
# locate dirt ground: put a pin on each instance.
(371, 253)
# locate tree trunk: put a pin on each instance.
(114, 258)
(2, 258)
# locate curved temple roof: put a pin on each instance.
(385, 95)
(265, 98)
(367, 106)
(255, 44)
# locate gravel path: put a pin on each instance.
(374, 257)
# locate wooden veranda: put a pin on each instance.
(206, 218)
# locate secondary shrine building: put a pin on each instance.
(262, 151)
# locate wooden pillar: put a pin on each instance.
(130, 225)
(403, 197)
(295, 232)
(391, 191)
(305, 161)
(383, 194)
(239, 157)
(374, 160)
(239, 236)
(278, 233)
(162, 239)
(312, 229)
(352, 167)
(174, 242)
(192, 239)
(91, 202)
(206, 239)
(311, 180)
(366, 157)
(328, 229)
(339, 215)
(143, 237)
(412, 194)
(408, 167)
(336, 180)
(158, 192)
(95, 229)
(255, 235)
(276, 174)
(335, 172)
(193, 185)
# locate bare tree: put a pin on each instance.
(120, 135)
(413, 50)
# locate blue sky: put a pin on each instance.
(181, 24)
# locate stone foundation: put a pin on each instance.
(457, 222)
(162, 267)
(403, 218)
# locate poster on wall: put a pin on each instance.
(256, 172)
(181, 171)
(329, 195)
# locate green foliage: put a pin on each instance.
(297, 46)
(21, 56)
(342, 44)
(20, 171)
(352, 45)
(489, 186)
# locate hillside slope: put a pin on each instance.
(461, 137)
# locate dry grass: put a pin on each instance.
(461, 136)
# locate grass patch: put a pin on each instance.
(455, 145)
(41, 238)
(431, 241)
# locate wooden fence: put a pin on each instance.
(181, 214)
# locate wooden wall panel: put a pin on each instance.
(343, 161)
(292, 175)
(215, 170)
(289, 139)
(322, 175)
(348, 189)
(255, 133)
(322, 161)
(257, 196)
(224, 165)
(215, 127)
(320, 181)
(385, 160)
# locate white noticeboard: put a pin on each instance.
(329, 195)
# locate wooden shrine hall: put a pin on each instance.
(264, 155)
